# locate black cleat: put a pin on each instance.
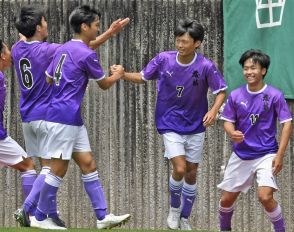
(22, 217)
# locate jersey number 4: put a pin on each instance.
(58, 72)
(26, 75)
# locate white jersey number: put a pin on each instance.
(254, 118)
(58, 72)
(180, 90)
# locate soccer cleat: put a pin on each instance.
(111, 220)
(173, 219)
(184, 224)
(47, 224)
(58, 222)
(22, 217)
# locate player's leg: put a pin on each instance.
(48, 195)
(226, 209)
(193, 155)
(175, 152)
(61, 139)
(238, 177)
(28, 175)
(84, 158)
(16, 158)
(189, 192)
(266, 187)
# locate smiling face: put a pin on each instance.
(186, 45)
(253, 74)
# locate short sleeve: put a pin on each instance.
(282, 109)
(215, 79)
(152, 69)
(93, 67)
(229, 112)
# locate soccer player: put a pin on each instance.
(11, 154)
(31, 58)
(73, 65)
(182, 114)
(250, 116)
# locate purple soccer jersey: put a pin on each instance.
(3, 133)
(73, 65)
(31, 60)
(255, 114)
(182, 91)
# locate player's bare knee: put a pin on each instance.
(180, 170)
(265, 199)
(88, 166)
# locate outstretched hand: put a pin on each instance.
(117, 25)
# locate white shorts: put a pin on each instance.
(63, 140)
(240, 174)
(190, 146)
(35, 135)
(10, 152)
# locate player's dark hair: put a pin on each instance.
(190, 26)
(257, 56)
(28, 18)
(82, 14)
(1, 45)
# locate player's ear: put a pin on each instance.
(84, 27)
(197, 43)
(263, 71)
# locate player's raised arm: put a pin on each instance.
(114, 28)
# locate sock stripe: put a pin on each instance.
(28, 173)
(90, 177)
(45, 170)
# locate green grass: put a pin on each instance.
(84, 230)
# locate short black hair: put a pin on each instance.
(29, 17)
(257, 56)
(190, 26)
(82, 14)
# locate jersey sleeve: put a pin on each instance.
(151, 70)
(49, 70)
(282, 109)
(229, 112)
(215, 79)
(93, 67)
(51, 48)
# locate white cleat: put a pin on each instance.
(173, 219)
(111, 220)
(184, 224)
(47, 224)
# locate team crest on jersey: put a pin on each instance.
(265, 100)
(195, 76)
